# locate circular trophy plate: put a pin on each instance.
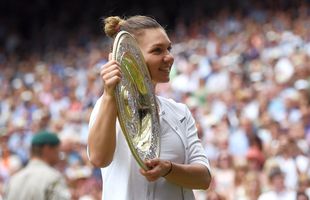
(136, 106)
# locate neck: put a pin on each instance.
(41, 159)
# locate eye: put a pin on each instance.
(157, 50)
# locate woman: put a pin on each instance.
(182, 165)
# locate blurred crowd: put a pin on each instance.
(245, 77)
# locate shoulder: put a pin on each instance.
(175, 110)
(39, 167)
(33, 173)
(53, 173)
(18, 176)
(173, 105)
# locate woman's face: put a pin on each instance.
(155, 46)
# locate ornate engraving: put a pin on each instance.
(136, 102)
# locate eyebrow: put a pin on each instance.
(160, 45)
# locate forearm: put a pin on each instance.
(193, 176)
(102, 137)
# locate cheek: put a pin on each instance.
(151, 67)
(151, 71)
(147, 62)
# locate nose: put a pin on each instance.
(168, 58)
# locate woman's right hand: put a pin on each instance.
(111, 76)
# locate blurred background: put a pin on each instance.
(243, 68)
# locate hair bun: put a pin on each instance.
(112, 25)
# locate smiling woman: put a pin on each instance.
(156, 46)
(182, 165)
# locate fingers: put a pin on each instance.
(111, 83)
(150, 175)
(152, 163)
(156, 167)
(111, 75)
(109, 66)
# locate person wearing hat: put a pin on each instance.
(39, 180)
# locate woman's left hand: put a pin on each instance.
(157, 169)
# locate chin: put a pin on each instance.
(160, 81)
(164, 81)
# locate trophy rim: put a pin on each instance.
(144, 72)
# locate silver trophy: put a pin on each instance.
(136, 102)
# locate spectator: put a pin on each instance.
(224, 175)
(39, 180)
(278, 189)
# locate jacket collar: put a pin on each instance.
(166, 108)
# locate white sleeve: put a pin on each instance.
(196, 152)
(94, 112)
(93, 117)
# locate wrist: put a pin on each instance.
(170, 169)
(109, 98)
(108, 104)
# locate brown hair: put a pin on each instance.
(134, 25)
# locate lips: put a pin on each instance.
(164, 70)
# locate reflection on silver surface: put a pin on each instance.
(137, 111)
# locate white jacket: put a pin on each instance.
(122, 180)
